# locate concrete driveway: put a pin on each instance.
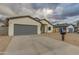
(39, 45)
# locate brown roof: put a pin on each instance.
(47, 21)
(21, 17)
(36, 19)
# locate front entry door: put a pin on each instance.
(43, 29)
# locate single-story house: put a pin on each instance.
(77, 27)
(56, 28)
(70, 29)
(27, 25)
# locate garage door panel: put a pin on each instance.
(25, 29)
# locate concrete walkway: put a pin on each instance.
(39, 45)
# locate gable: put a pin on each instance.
(23, 19)
(44, 21)
(70, 26)
(26, 20)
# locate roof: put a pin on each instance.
(48, 22)
(60, 25)
(35, 19)
(70, 26)
(10, 18)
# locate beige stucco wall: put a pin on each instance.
(49, 31)
(27, 21)
(48, 25)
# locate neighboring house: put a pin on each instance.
(77, 23)
(77, 26)
(27, 25)
(56, 28)
(70, 29)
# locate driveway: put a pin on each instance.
(39, 45)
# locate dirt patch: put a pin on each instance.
(72, 38)
(4, 41)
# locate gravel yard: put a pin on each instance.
(4, 41)
(72, 38)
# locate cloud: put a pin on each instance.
(47, 11)
(68, 10)
(4, 10)
(34, 9)
(44, 10)
(43, 13)
(56, 11)
(44, 5)
(72, 19)
(72, 10)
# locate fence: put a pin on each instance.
(3, 30)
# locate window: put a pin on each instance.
(49, 28)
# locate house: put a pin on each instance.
(3, 28)
(77, 27)
(70, 28)
(46, 26)
(27, 25)
(56, 28)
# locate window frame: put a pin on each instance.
(49, 28)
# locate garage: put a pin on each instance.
(21, 29)
(23, 25)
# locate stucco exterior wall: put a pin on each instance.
(49, 31)
(67, 29)
(48, 25)
(27, 21)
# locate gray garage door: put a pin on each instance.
(25, 29)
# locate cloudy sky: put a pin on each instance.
(68, 12)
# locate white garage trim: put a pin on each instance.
(25, 21)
